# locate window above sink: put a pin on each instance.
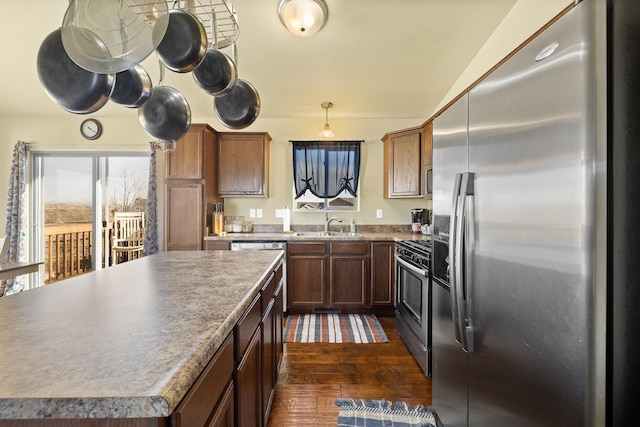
(326, 175)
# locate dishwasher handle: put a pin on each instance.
(258, 246)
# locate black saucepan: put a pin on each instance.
(217, 73)
(240, 107)
(73, 88)
(132, 87)
(166, 116)
(184, 44)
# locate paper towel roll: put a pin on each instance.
(286, 220)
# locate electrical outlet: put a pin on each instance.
(259, 213)
(379, 213)
(252, 213)
(279, 213)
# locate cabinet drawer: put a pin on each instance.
(268, 290)
(359, 247)
(196, 408)
(306, 248)
(247, 325)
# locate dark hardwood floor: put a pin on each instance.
(312, 376)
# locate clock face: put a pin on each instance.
(91, 129)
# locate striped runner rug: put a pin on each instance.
(334, 328)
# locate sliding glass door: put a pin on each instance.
(74, 199)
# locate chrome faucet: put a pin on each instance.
(328, 221)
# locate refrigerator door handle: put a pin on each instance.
(467, 238)
(462, 228)
(453, 243)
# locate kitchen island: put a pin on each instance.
(126, 342)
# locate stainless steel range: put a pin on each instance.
(413, 299)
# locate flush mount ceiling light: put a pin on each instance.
(326, 131)
(303, 18)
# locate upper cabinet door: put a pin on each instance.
(186, 162)
(243, 164)
(402, 162)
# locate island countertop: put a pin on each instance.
(124, 342)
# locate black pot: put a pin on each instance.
(132, 87)
(184, 44)
(73, 88)
(240, 107)
(166, 116)
(216, 74)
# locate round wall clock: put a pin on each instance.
(91, 129)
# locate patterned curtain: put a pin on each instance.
(16, 226)
(151, 230)
(326, 168)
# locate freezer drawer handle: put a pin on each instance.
(462, 231)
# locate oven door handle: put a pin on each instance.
(411, 267)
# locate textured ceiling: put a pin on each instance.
(373, 59)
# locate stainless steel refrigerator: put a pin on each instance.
(520, 230)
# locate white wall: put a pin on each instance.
(524, 19)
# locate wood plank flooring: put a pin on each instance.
(312, 376)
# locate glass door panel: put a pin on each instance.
(75, 197)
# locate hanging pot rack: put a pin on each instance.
(226, 15)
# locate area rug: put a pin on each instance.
(382, 413)
(334, 328)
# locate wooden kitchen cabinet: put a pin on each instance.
(259, 348)
(209, 391)
(327, 275)
(407, 158)
(427, 159)
(190, 184)
(383, 277)
(243, 164)
(306, 277)
(248, 384)
(348, 275)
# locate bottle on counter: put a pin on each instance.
(352, 227)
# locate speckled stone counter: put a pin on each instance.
(280, 236)
(123, 342)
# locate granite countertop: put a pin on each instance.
(127, 341)
(292, 237)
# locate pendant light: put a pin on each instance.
(326, 131)
(303, 18)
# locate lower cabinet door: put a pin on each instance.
(224, 415)
(268, 357)
(249, 384)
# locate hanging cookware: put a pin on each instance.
(132, 87)
(130, 29)
(241, 106)
(166, 116)
(216, 74)
(185, 42)
(73, 88)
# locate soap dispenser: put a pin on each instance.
(352, 227)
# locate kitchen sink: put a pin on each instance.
(325, 234)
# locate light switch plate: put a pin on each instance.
(252, 213)
(259, 213)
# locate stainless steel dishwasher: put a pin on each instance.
(268, 245)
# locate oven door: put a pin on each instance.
(412, 300)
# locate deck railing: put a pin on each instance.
(68, 250)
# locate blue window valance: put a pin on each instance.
(326, 168)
